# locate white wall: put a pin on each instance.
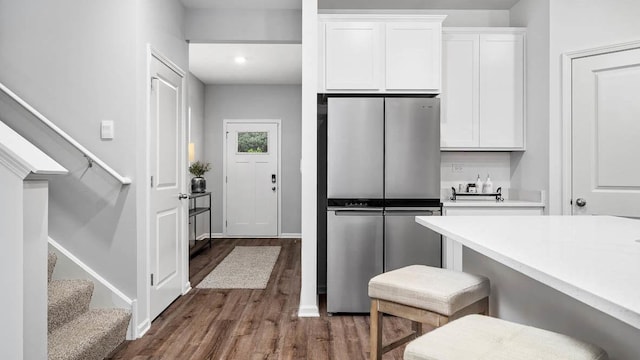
(244, 25)
(76, 63)
(530, 169)
(79, 63)
(579, 25)
(464, 167)
(228, 102)
(309, 163)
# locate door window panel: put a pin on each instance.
(253, 142)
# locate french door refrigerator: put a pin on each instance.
(383, 169)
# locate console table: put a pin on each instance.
(196, 209)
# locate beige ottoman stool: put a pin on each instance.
(477, 337)
(424, 295)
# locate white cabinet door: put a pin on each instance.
(353, 51)
(502, 91)
(412, 55)
(459, 119)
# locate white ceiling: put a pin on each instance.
(352, 4)
(278, 64)
(243, 4)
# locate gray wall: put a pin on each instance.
(244, 25)
(530, 169)
(228, 102)
(196, 136)
(79, 63)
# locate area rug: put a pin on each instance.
(246, 267)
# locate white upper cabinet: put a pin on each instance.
(380, 53)
(411, 60)
(353, 55)
(459, 125)
(483, 89)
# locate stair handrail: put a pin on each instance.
(93, 159)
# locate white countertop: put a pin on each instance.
(492, 203)
(595, 259)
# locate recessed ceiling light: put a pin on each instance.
(240, 59)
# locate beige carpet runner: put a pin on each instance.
(246, 267)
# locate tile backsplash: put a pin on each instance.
(464, 167)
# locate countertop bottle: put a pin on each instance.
(488, 186)
(479, 184)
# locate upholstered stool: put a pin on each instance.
(476, 337)
(424, 295)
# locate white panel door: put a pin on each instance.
(459, 121)
(353, 52)
(413, 56)
(501, 90)
(167, 168)
(606, 134)
(252, 182)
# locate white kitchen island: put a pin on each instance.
(579, 275)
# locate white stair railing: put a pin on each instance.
(93, 159)
(23, 233)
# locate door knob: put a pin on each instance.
(273, 188)
(182, 196)
(581, 202)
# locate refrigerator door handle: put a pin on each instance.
(413, 212)
(358, 212)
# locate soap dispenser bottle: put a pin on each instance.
(479, 188)
(488, 186)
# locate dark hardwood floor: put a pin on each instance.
(254, 324)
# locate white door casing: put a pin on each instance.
(167, 231)
(251, 178)
(605, 133)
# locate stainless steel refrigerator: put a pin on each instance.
(383, 169)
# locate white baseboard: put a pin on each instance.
(290, 236)
(143, 328)
(308, 311)
(105, 294)
(223, 236)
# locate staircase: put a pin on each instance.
(75, 331)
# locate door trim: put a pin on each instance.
(567, 114)
(226, 122)
(144, 311)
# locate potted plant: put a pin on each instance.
(198, 183)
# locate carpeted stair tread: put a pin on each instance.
(67, 300)
(90, 336)
(51, 264)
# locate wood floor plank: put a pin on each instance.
(253, 324)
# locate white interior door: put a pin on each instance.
(167, 220)
(606, 134)
(252, 179)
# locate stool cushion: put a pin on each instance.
(438, 290)
(476, 337)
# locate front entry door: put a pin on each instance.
(252, 181)
(606, 134)
(167, 220)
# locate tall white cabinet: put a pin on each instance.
(380, 53)
(483, 89)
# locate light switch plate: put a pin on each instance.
(106, 129)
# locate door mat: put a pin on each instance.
(246, 267)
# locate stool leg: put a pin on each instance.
(376, 331)
(417, 328)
